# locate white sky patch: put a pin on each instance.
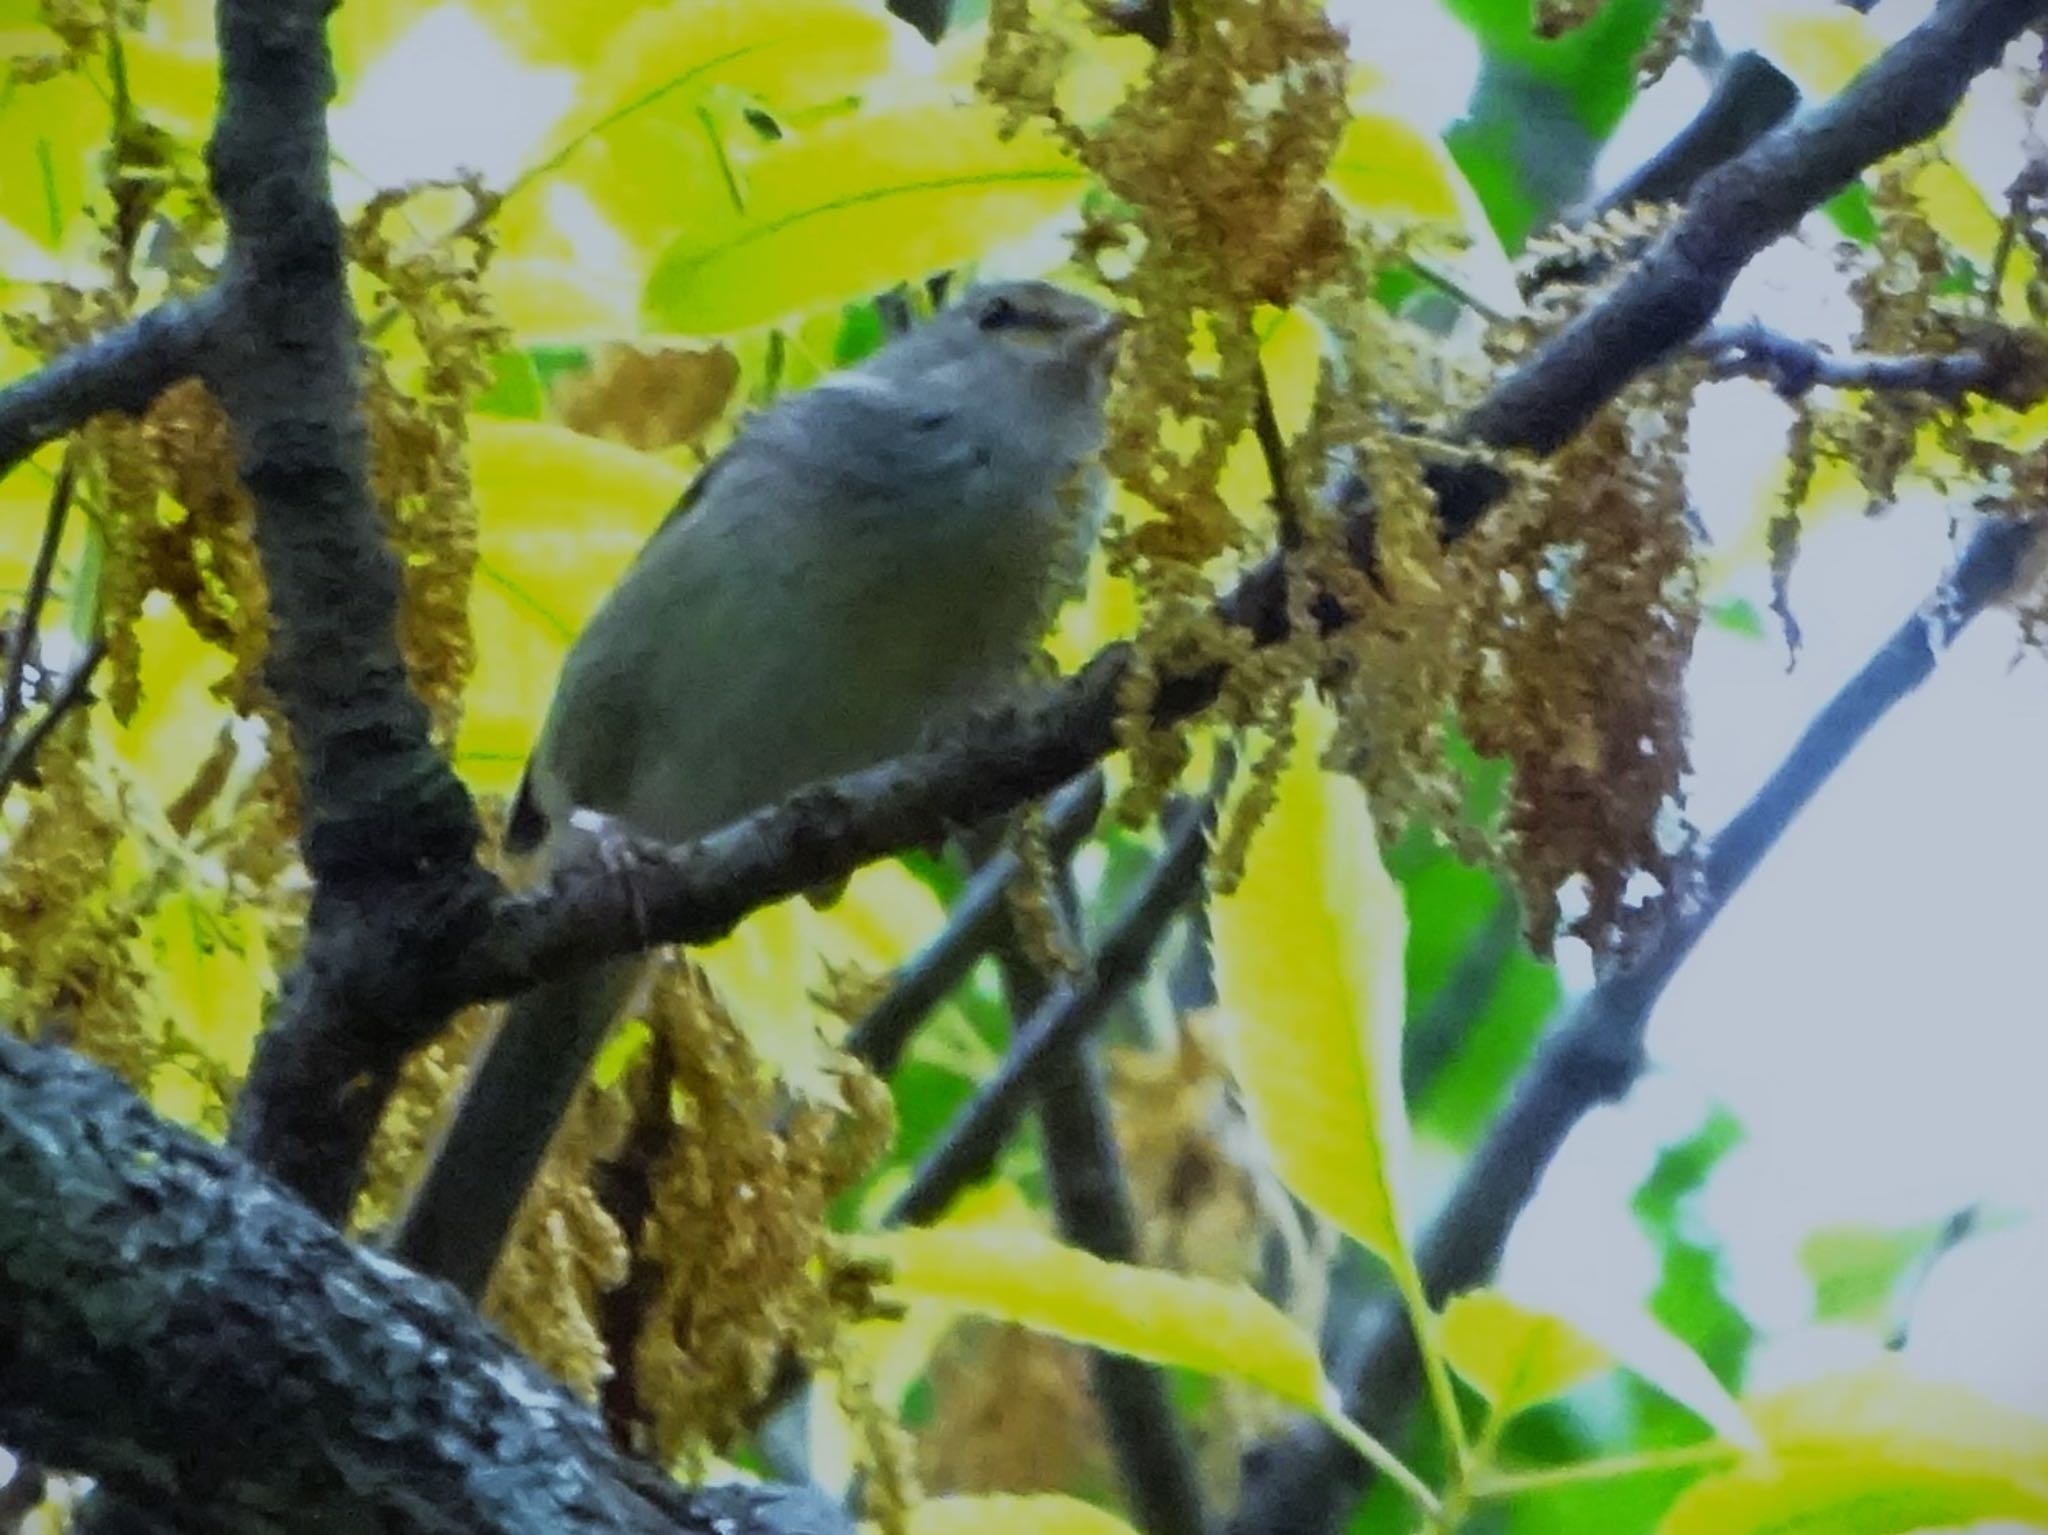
(448, 96)
(1427, 60)
(1868, 1007)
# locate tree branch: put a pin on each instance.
(388, 832)
(28, 623)
(1071, 1009)
(922, 983)
(207, 1348)
(17, 758)
(1092, 1210)
(1904, 96)
(124, 369)
(2007, 366)
(1751, 96)
(1306, 1479)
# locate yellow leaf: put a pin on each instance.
(178, 719)
(179, 82)
(560, 301)
(1043, 1514)
(564, 34)
(213, 972)
(656, 110)
(54, 132)
(1309, 969)
(1389, 169)
(1515, 1357)
(1172, 1319)
(1821, 49)
(768, 971)
(1386, 168)
(1872, 1452)
(892, 195)
(560, 516)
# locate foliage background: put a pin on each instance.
(1843, 1075)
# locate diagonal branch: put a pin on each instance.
(1069, 1012)
(124, 369)
(1908, 93)
(213, 1352)
(884, 1032)
(1305, 1480)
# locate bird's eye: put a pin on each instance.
(999, 314)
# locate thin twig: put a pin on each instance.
(1433, 1038)
(21, 755)
(923, 981)
(971, 1144)
(1092, 1210)
(1792, 367)
(28, 625)
(1273, 445)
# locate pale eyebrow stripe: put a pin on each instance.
(858, 383)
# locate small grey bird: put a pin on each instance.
(868, 561)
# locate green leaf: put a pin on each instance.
(1516, 1357)
(1593, 63)
(1017, 1275)
(1738, 616)
(1856, 1270)
(1691, 1297)
(1875, 1452)
(1309, 972)
(514, 390)
(894, 196)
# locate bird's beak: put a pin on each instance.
(1097, 344)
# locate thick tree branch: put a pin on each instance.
(1751, 96)
(387, 830)
(1305, 1480)
(184, 1331)
(124, 369)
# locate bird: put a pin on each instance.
(868, 563)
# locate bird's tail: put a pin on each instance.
(517, 1094)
